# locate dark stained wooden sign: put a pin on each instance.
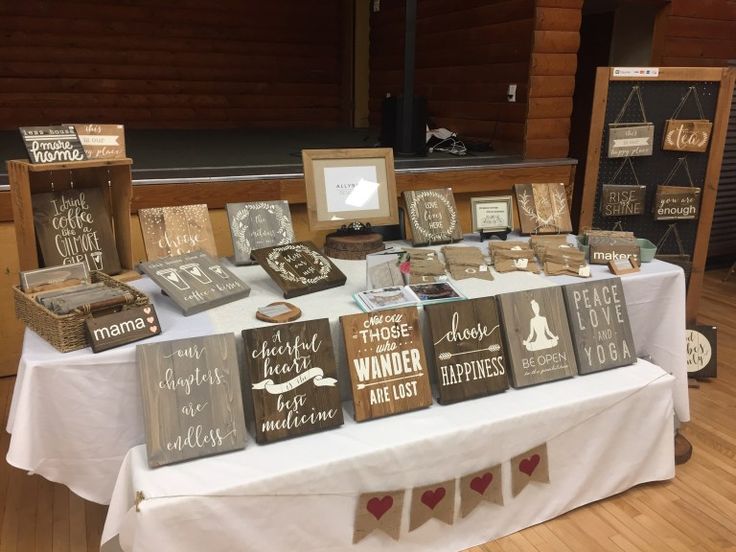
(299, 268)
(258, 224)
(600, 325)
(195, 281)
(171, 231)
(386, 362)
(121, 328)
(619, 200)
(292, 379)
(676, 203)
(433, 216)
(538, 341)
(603, 249)
(75, 226)
(468, 349)
(192, 402)
(52, 144)
(543, 208)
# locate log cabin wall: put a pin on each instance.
(186, 64)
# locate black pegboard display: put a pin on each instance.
(660, 98)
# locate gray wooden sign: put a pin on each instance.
(195, 281)
(538, 341)
(600, 325)
(192, 404)
(630, 139)
(258, 224)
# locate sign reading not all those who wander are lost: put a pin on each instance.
(386, 362)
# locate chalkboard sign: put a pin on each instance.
(292, 379)
(192, 406)
(386, 362)
(600, 325)
(195, 281)
(468, 349)
(538, 340)
(170, 231)
(74, 226)
(52, 144)
(433, 216)
(258, 224)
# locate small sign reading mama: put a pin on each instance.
(120, 328)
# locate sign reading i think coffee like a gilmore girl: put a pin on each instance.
(468, 349)
(292, 379)
(52, 144)
(386, 362)
(600, 325)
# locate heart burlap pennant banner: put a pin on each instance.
(421, 254)
(378, 511)
(510, 260)
(461, 272)
(483, 485)
(463, 255)
(530, 466)
(570, 262)
(432, 501)
(514, 245)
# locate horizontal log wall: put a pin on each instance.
(184, 64)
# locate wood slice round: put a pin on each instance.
(352, 247)
(293, 314)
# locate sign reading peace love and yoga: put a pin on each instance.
(292, 379)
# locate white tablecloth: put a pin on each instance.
(74, 416)
(605, 433)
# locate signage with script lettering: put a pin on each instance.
(258, 224)
(121, 328)
(298, 268)
(543, 208)
(52, 144)
(702, 349)
(433, 216)
(292, 379)
(600, 325)
(468, 349)
(192, 405)
(195, 281)
(386, 362)
(169, 231)
(538, 341)
(74, 226)
(102, 141)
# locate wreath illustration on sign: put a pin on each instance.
(239, 228)
(414, 215)
(700, 137)
(558, 207)
(274, 262)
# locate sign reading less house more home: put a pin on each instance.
(386, 362)
(52, 144)
(600, 325)
(468, 349)
(192, 404)
(538, 341)
(120, 328)
(292, 379)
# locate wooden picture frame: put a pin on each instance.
(484, 221)
(327, 170)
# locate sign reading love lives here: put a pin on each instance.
(119, 328)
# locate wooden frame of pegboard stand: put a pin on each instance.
(715, 157)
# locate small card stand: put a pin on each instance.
(624, 266)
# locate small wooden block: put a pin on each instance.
(292, 314)
(121, 328)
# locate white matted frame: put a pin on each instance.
(492, 214)
(334, 176)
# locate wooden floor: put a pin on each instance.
(694, 512)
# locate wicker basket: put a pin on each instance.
(66, 332)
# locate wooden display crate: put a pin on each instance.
(113, 176)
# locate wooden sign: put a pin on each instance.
(676, 203)
(170, 231)
(195, 281)
(622, 200)
(687, 135)
(600, 325)
(538, 341)
(292, 379)
(702, 349)
(603, 253)
(102, 141)
(386, 362)
(52, 144)
(258, 224)
(433, 216)
(299, 268)
(621, 267)
(121, 328)
(468, 349)
(54, 277)
(75, 226)
(543, 208)
(192, 405)
(630, 140)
